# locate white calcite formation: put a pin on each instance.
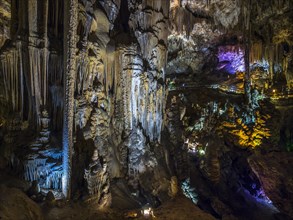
(28, 66)
(192, 38)
(111, 8)
(120, 91)
(42, 161)
(226, 13)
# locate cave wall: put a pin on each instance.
(212, 46)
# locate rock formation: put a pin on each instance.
(134, 102)
(113, 90)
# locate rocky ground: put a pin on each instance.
(180, 208)
(15, 204)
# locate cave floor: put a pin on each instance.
(15, 204)
(179, 208)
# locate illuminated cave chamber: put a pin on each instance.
(129, 104)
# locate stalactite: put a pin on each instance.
(208, 2)
(273, 53)
(22, 82)
(38, 68)
(54, 11)
(155, 53)
(34, 65)
(271, 62)
(32, 17)
(55, 87)
(287, 59)
(13, 78)
(256, 52)
(246, 10)
(47, 174)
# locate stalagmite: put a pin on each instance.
(70, 26)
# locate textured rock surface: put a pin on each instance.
(112, 8)
(192, 38)
(276, 177)
(70, 21)
(5, 18)
(120, 91)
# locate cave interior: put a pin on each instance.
(135, 109)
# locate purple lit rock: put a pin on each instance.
(231, 58)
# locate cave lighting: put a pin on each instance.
(148, 212)
(231, 61)
(131, 214)
(195, 147)
(201, 152)
(189, 191)
(275, 93)
(261, 196)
